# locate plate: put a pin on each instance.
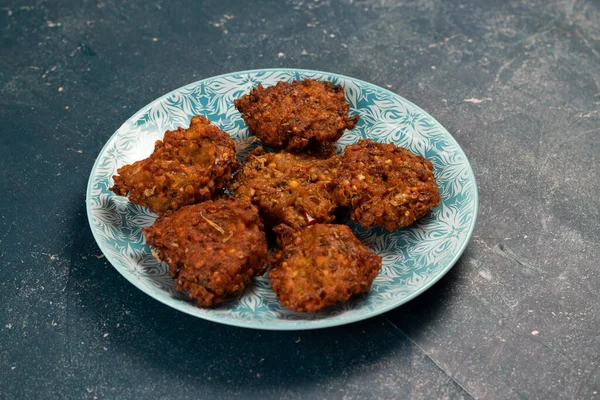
(414, 258)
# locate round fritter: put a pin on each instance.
(295, 115)
(213, 249)
(295, 189)
(385, 185)
(320, 266)
(188, 166)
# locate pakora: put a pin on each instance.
(187, 167)
(296, 115)
(385, 185)
(320, 266)
(213, 249)
(295, 189)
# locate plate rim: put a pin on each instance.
(311, 324)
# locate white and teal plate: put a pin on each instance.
(413, 258)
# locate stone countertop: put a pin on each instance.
(517, 83)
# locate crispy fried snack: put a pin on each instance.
(295, 115)
(294, 189)
(188, 166)
(213, 249)
(320, 266)
(385, 185)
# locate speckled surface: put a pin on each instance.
(518, 85)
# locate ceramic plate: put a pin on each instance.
(414, 258)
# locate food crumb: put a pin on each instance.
(534, 333)
(281, 55)
(105, 335)
(60, 89)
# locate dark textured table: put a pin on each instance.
(516, 82)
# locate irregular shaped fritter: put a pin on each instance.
(385, 185)
(186, 167)
(320, 266)
(213, 249)
(293, 115)
(295, 189)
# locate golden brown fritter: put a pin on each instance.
(320, 266)
(188, 166)
(385, 185)
(295, 189)
(295, 115)
(213, 249)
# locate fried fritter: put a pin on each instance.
(213, 249)
(294, 189)
(385, 185)
(320, 266)
(295, 115)
(188, 166)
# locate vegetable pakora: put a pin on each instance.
(295, 189)
(187, 167)
(385, 185)
(213, 249)
(320, 266)
(295, 115)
